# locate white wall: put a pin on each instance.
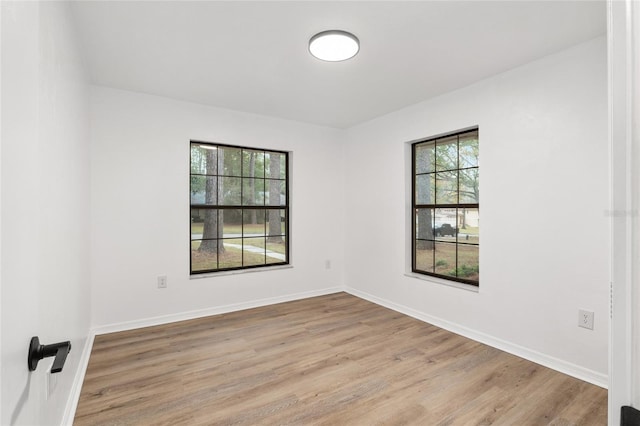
(140, 208)
(45, 209)
(544, 196)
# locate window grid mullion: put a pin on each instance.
(218, 233)
(413, 210)
(458, 198)
(242, 151)
(435, 201)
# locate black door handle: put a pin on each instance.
(38, 351)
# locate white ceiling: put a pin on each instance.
(253, 57)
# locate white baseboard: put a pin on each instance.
(76, 387)
(565, 367)
(217, 310)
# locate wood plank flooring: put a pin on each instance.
(330, 360)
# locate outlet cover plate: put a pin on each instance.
(585, 319)
(162, 281)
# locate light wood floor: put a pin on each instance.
(330, 360)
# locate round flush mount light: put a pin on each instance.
(334, 45)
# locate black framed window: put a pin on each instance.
(446, 207)
(239, 207)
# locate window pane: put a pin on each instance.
(275, 192)
(468, 264)
(204, 224)
(447, 153)
(446, 224)
(231, 221)
(252, 192)
(252, 163)
(204, 159)
(424, 224)
(469, 226)
(469, 151)
(275, 225)
(447, 187)
(275, 165)
(469, 186)
(424, 255)
(229, 161)
(425, 157)
(203, 255)
(231, 257)
(425, 189)
(445, 259)
(230, 251)
(203, 189)
(253, 251)
(197, 223)
(229, 191)
(276, 250)
(253, 223)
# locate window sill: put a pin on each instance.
(239, 271)
(436, 280)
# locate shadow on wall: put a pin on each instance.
(23, 399)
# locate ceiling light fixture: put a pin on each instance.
(334, 45)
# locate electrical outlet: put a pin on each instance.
(327, 264)
(162, 281)
(585, 319)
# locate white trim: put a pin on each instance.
(562, 366)
(199, 313)
(633, 110)
(76, 387)
(624, 221)
(240, 271)
(441, 281)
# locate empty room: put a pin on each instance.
(319, 213)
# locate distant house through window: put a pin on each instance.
(446, 207)
(239, 208)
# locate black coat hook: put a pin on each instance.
(38, 351)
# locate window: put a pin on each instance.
(446, 208)
(239, 208)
